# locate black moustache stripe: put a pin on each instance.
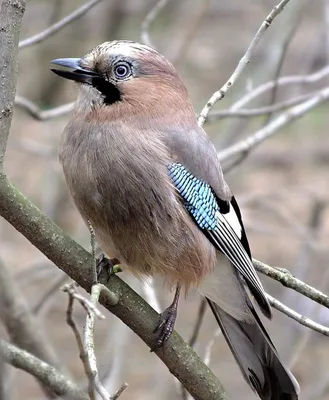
(110, 92)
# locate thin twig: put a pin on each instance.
(198, 322)
(298, 317)
(283, 81)
(209, 346)
(246, 145)
(88, 341)
(42, 115)
(150, 17)
(118, 393)
(219, 94)
(256, 112)
(292, 24)
(91, 308)
(44, 372)
(48, 294)
(51, 30)
(22, 327)
(289, 281)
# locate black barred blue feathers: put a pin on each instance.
(199, 198)
(202, 204)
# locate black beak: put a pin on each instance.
(75, 72)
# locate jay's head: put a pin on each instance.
(124, 73)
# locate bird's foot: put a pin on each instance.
(165, 326)
(110, 265)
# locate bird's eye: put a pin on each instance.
(122, 71)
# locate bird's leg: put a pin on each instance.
(110, 265)
(167, 322)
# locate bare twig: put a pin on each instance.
(283, 81)
(246, 145)
(296, 12)
(11, 15)
(48, 294)
(129, 307)
(118, 393)
(90, 308)
(51, 30)
(207, 355)
(20, 324)
(88, 339)
(298, 317)
(219, 94)
(87, 347)
(42, 115)
(70, 321)
(289, 281)
(150, 17)
(42, 371)
(198, 322)
(256, 112)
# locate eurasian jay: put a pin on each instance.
(148, 179)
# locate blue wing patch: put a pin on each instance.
(202, 204)
(199, 198)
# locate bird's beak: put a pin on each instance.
(74, 72)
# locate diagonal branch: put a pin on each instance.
(45, 373)
(244, 147)
(150, 17)
(51, 30)
(298, 317)
(289, 281)
(21, 325)
(35, 111)
(245, 60)
(181, 360)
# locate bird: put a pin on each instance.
(147, 177)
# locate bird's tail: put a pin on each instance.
(256, 355)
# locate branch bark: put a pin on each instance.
(181, 360)
(289, 281)
(11, 15)
(21, 325)
(45, 373)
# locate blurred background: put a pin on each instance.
(282, 186)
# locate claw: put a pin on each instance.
(165, 326)
(166, 323)
(108, 265)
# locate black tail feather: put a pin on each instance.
(256, 356)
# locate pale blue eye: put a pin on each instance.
(122, 70)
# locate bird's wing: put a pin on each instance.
(221, 223)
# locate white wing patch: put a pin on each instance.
(233, 221)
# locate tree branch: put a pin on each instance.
(42, 115)
(298, 317)
(45, 373)
(289, 281)
(51, 30)
(245, 60)
(150, 17)
(245, 146)
(283, 81)
(11, 15)
(252, 112)
(21, 325)
(181, 360)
